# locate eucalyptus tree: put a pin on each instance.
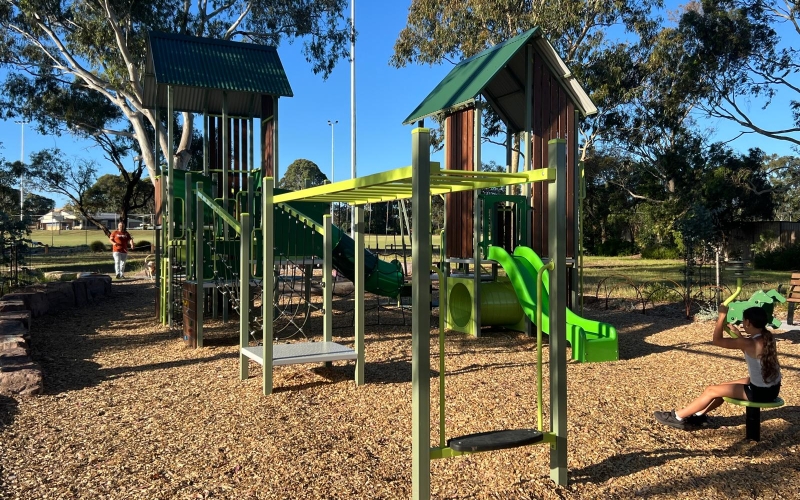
(52, 172)
(447, 31)
(739, 52)
(106, 194)
(77, 66)
(301, 172)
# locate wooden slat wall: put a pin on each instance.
(235, 178)
(213, 145)
(267, 126)
(459, 155)
(553, 118)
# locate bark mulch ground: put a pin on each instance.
(129, 412)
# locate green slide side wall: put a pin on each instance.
(294, 238)
(590, 340)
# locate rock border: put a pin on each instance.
(19, 373)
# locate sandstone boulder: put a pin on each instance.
(18, 373)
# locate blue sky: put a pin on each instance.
(384, 97)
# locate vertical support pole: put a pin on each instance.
(168, 222)
(198, 262)
(226, 187)
(226, 158)
(268, 266)
(476, 226)
(358, 235)
(526, 136)
(205, 135)
(420, 316)
(159, 213)
(327, 274)
(250, 167)
(557, 243)
(244, 294)
(752, 423)
(187, 222)
(577, 235)
(527, 220)
(275, 164)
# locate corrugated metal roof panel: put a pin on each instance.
(201, 69)
(499, 74)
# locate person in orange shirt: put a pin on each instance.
(120, 240)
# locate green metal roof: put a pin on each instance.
(201, 69)
(499, 73)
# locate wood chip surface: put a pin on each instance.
(129, 412)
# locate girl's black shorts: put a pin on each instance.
(758, 394)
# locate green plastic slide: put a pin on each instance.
(590, 340)
(381, 277)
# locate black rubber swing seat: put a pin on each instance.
(495, 440)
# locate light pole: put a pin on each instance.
(22, 176)
(333, 170)
(353, 107)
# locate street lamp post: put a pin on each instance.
(333, 171)
(22, 176)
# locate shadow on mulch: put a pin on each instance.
(8, 410)
(631, 463)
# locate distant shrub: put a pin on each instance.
(779, 259)
(142, 246)
(661, 252)
(614, 248)
(97, 246)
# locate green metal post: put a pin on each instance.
(167, 223)
(187, 218)
(476, 229)
(557, 244)
(160, 234)
(198, 263)
(420, 316)
(244, 293)
(327, 274)
(226, 188)
(268, 266)
(358, 226)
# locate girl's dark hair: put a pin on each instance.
(769, 354)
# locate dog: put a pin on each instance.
(150, 267)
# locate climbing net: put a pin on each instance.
(294, 281)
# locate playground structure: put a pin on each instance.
(227, 230)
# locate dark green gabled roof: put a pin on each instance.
(200, 69)
(499, 73)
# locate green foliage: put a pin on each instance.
(779, 259)
(767, 242)
(108, 194)
(97, 246)
(783, 174)
(142, 246)
(731, 55)
(661, 252)
(77, 67)
(614, 247)
(300, 174)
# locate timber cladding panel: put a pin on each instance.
(553, 118)
(238, 153)
(460, 155)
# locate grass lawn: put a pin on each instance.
(602, 276)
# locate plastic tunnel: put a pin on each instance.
(590, 340)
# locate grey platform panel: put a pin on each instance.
(302, 352)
